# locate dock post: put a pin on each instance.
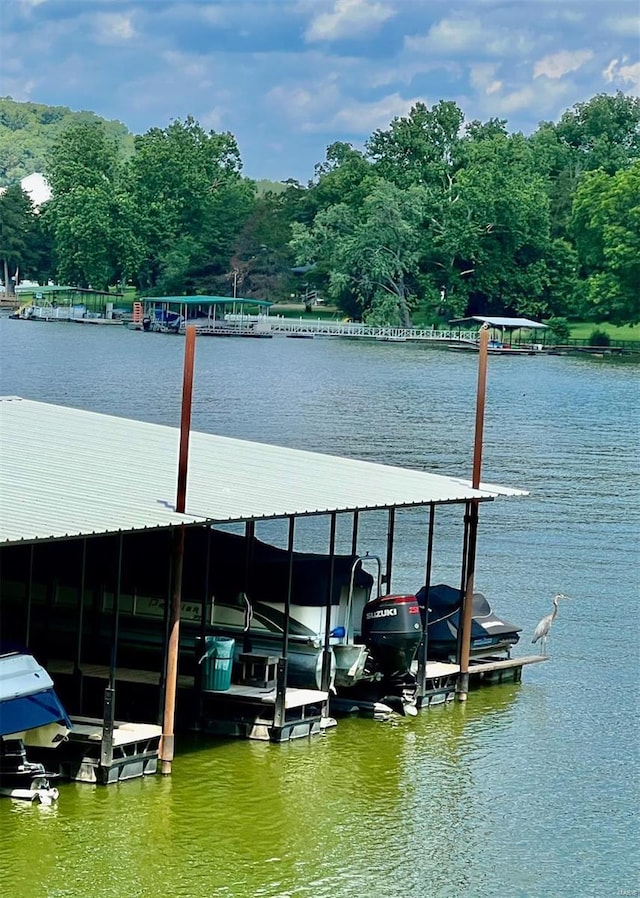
(108, 715)
(423, 649)
(279, 714)
(27, 623)
(173, 643)
(171, 683)
(327, 653)
(462, 689)
(389, 560)
(77, 670)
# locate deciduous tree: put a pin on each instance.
(606, 226)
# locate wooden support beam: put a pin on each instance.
(173, 643)
(467, 606)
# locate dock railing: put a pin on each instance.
(276, 324)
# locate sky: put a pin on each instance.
(290, 77)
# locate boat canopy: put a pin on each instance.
(497, 321)
(82, 490)
(190, 301)
(27, 697)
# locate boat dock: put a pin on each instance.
(116, 584)
(240, 710)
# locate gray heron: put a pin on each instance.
(542, 630)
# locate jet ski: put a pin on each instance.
(441, 616)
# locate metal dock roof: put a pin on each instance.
(66, 472)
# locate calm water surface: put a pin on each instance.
(529, 790)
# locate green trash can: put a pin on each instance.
(218, 662)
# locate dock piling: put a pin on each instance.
(173, 644)
(467, 603)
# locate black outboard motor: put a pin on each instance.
(392, 631)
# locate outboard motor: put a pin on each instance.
(392, 631)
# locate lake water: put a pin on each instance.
(528, 790)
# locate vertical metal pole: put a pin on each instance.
(354, 533)
(173, 644)
(78, 669)
(106, 744)
(463, 577)
(166, 611)
(185, 422)
(327, 654)
(197, 679)
(467, 611)
(51, 596)
(424, 645)
(389, 562)
(27, 625)
(249, 535)
(281, 683)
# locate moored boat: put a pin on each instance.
(441, 614)
(31, 714)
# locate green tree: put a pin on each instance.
(29, 131)
(90, 215)
(345, 176)
(603, 133)
(16, 231)
(486, 231)
(606, 227)
(420, 148)
(371, 253)
(187, 187)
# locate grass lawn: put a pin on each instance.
(582, 330)
(296, 310)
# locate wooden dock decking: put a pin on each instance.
(251, 711)
(241, 710)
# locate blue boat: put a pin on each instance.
(31, 714)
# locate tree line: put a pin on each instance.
(434, 218)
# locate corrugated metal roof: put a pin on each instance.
(498, 321)
(200, 300)
(66, 472)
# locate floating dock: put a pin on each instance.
(90, 755)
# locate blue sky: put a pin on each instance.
(289, 77)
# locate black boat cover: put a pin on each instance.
(444, 619)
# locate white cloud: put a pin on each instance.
(558, 64)
(482, 77)
(191, 66)
(19, 89)
(536, 100)
(363, 118)
(459, 35)
(114, 28)
(623, 25)
(348, 18)
(295, 102)
(213, 119)
(404, 70)
(623, 73)
(211, 14)
(325, 108)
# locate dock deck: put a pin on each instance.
(240, 710)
